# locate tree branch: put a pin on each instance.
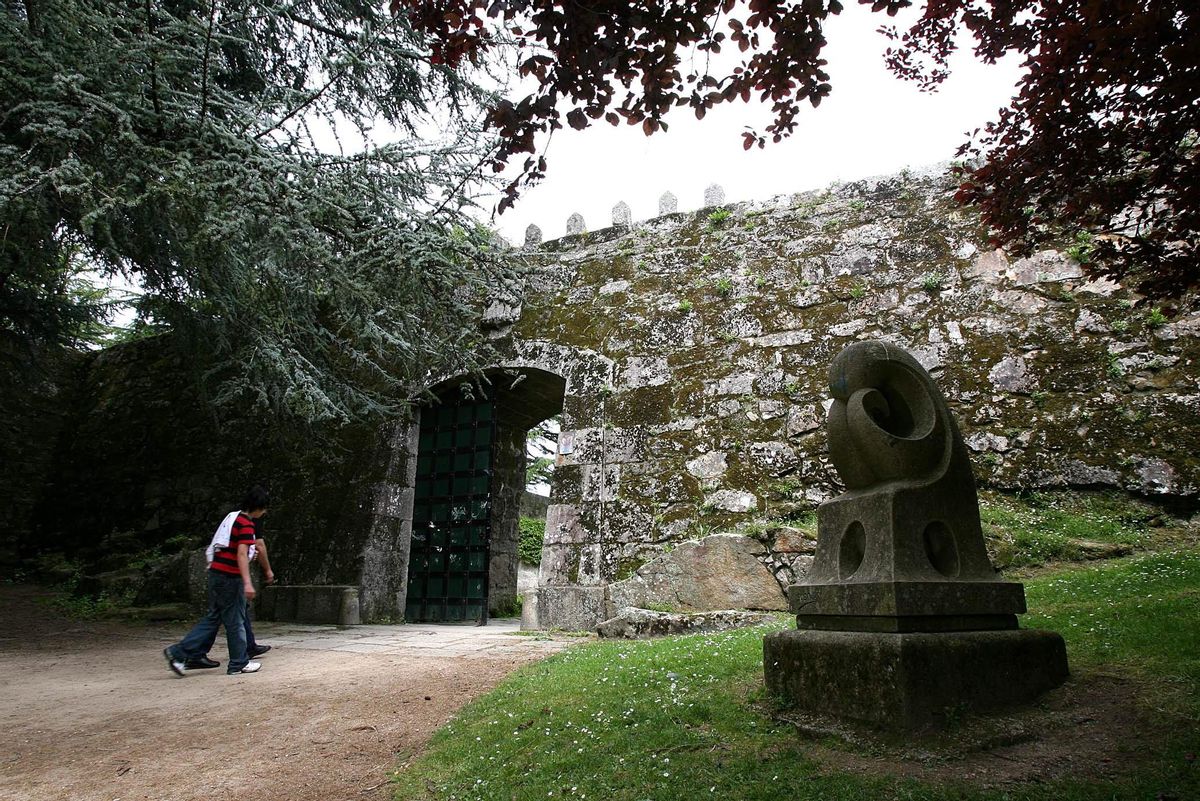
(158, 112)
(212, 14)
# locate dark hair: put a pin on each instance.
(257, 497)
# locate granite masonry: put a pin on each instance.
(686, 358)
(694, 348)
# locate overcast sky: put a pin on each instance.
(872, 124)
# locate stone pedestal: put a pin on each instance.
(911, 681)
(908, 606)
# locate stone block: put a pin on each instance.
(644, 371)
(908, 606)
(1012, 374)
(529, 614)
(310, 603)
(709, 466)
(721, 571)
(642, 624)
(911, 681)
(732, 500)
(786, 539)
(621, 214)
(570, 608)
(564, 526)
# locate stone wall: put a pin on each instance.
(33, 410)
(139, 460)
(689, 355)
(720, 330)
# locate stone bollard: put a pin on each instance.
(349, 610)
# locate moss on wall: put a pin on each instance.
(721, 333)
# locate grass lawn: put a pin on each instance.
(685, 718)
(1040, 527)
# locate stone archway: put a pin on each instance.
(538, 381)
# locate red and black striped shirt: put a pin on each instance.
(225, 559)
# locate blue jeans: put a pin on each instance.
(251, 643)
(226, 606)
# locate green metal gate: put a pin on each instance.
(448, 560)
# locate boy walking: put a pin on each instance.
(229, 588)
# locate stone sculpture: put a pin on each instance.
(714, 195)
(902, 617)
(668, 203)
(575, 224)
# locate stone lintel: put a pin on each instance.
(908, 598)
(911, 681)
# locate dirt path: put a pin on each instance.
(90, 711)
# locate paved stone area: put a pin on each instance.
(499, 638)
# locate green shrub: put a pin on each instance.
(533, 532)
(932, 282)
(511, 609)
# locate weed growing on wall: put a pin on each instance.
(718, 217)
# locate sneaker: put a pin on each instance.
(258, 650)
(177, 665)
(251, 667)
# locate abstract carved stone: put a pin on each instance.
(902, 617)
(902, 549)
(668, 203)
(714, 195)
